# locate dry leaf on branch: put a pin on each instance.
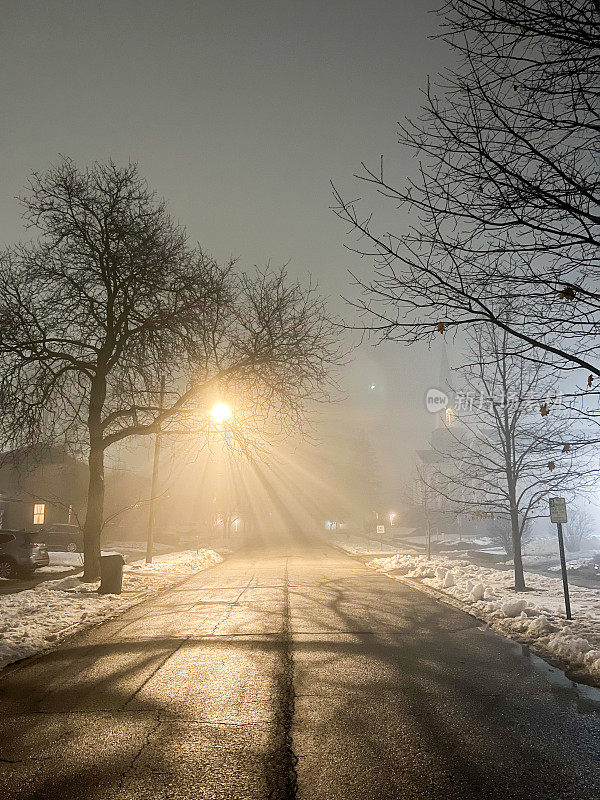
(567, 293)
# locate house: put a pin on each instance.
(41, 486)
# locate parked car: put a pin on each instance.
(21, 554)
(62, 536)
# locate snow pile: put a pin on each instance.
(365, 548)
(149, 578)
(65, 559)
(34, 620)
(175, 563)
(535, 617)
(51, 568)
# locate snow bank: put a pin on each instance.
(535, 617)
(365, 548)
(64, 559)
(34, 620)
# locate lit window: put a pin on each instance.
(39, 513)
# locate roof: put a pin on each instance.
(36, 454)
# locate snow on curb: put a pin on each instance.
(535, 617)
(37, 619)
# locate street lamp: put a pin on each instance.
(220, 413)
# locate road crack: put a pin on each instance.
(230, 606)
(151, 731)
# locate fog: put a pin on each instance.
(234, 112)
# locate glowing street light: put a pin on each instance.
(220, 413)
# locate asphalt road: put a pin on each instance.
(294, 673)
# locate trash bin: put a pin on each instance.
(111, 573)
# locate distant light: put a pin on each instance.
(220, 412)
(372, 386)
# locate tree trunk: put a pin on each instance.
(516, 543)
(508, 433)
(94, 516)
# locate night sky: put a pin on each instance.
(239, 114)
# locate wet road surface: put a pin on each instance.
(287, 674)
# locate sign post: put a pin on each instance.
(380, 532)
(558, 514)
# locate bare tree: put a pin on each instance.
(505, 202)
(110, 299)
(499, 531)
(579, 527)
(497, 458)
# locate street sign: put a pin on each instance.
(558, 514)
(558, 509)
(381, 529)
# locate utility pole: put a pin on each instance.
(151, 507)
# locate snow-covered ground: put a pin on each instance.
(64, 559)
(583, 564)
(34, 620)
(61, 562)
(536, 617)
(549, 545)
(537, 552)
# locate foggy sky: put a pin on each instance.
(239, 114)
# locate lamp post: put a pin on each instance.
(151, 506)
